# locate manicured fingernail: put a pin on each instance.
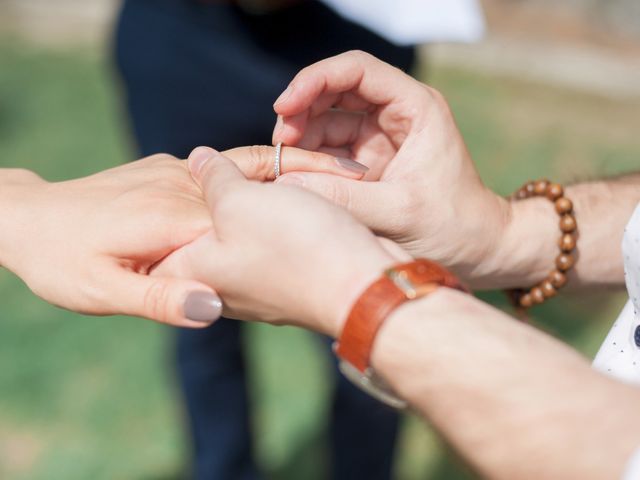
(199, 157)
(291, 179)
(284, 96)
(202, 307)
(352, 165)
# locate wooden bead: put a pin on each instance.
(563, 205)
(536, 295)
(564, 262)
(567, 242)
(528, 187)
(548, 289)
(568, 223)
(554, 191)
(526, 301)
(557, 279)
(540, 187)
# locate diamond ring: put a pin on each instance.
(276, 165)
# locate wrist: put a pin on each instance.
(473, 250)
(401, 283)
(525, 252)
(414, 345)
(16, 190)
(349, 282)
(352, 280)
(448, 355)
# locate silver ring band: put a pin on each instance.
(276, 165)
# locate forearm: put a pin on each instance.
(515, 403)
(527, 252)
(16, 216)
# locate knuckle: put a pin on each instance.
(166, 157)
(359, 55)
(339, 195)
(156, 301)
(258, 153)
(260, 156)
(160, 158)
(425, 94)
(437, 98)
(434, 93)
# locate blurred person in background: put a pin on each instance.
(206, 72)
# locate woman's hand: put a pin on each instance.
(423, 190)
(277, 253)
(88, 244)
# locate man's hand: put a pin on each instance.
(423, 190)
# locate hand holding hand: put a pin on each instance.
(88, 244)
(276, 253)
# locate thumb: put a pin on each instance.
(215, 173)
(174, 301)
(376, 204)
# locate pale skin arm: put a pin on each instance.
(424, 191)
(526, 253)
(514, 402)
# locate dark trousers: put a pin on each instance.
(197, 74)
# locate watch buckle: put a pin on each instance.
(371, 384)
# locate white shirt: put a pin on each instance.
(619, 355)
(409, 22)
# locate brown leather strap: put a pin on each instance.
(396, 286)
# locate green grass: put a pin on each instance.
(95, 398)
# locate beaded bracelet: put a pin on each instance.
(557, 278)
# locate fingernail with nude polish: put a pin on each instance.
(202, 307)
(284, 96)
(352, 165)
(199, 157)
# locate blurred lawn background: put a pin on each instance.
(95, 398)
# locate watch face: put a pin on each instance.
(372, 385)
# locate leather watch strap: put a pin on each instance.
(396, 286)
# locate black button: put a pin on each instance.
(636, 336)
